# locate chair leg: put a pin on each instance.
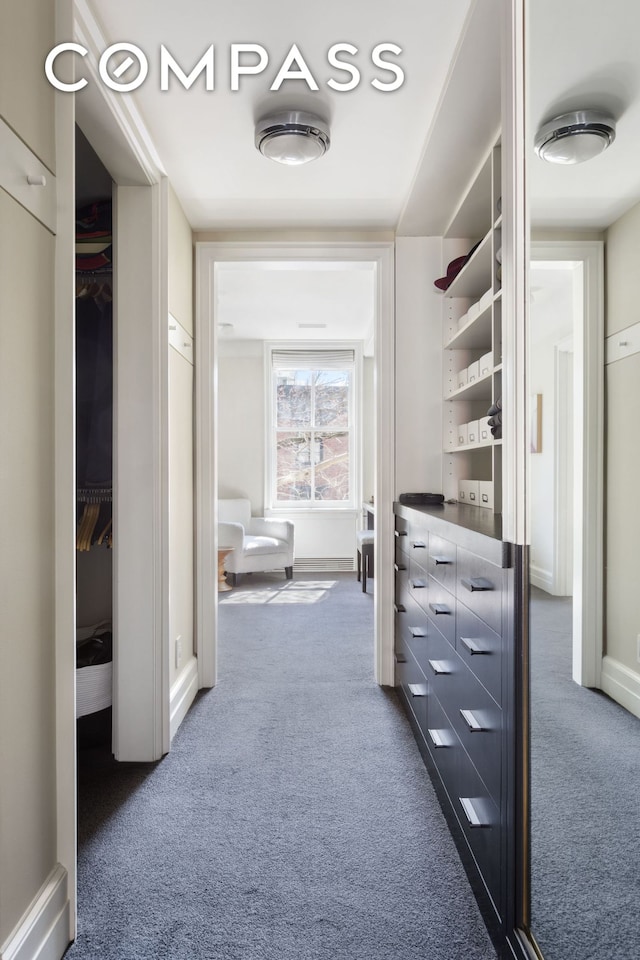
(288, 572)
(365, 562)
(358, 564)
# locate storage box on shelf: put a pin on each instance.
(473, 337)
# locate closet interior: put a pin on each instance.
(94, 446)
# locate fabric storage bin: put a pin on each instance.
(462, 434)
(486, 494)
(473, 431)
(484, 430)
(473, 371)
(486, 363)
(462, 378)
(469, 491)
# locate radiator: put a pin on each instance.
(321, 564)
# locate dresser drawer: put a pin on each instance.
(418, 549)
(477, 720)
(480, 820)
(416, 631)
(441, 668)
(415, 689)
(401, 568)
(418, 585)
(400, 554)
(479, 587)
(441, 608)
(443, 744)
(442, 562)
(401, 533)
(480, 648)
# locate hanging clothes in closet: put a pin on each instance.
(94, 374)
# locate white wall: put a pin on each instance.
(28, 848)
(418, 365)
(622, 455)
(241, 422)
(551, 315)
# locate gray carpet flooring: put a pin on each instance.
(293, 819)
(585, 760)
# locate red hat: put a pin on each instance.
(454, 269)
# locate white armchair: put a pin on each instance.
(258, 543)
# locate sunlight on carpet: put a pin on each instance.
(304, 591)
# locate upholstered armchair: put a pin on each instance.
(257, 543)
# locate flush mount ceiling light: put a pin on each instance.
(292, 137)
(575, 137)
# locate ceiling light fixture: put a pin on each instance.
(575, 137)
(292, 137)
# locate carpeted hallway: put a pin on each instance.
(585, 814)
(293, 818)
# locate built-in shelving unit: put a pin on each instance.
(473, 343)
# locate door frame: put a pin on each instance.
(116, 132)
(381, 253)
(565, 472)
(588, 506)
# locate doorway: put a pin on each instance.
(208, 255)
(565, 501)
(572, 501)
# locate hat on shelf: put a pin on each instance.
(454, 268)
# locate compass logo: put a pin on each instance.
(117, 63)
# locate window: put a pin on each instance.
(312, 433)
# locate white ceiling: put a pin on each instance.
(584, 53)
(269, 301)
(206, 139)
(396, 159)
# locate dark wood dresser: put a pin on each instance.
(455, 671)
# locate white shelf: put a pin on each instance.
(475, 216)
(475, 277)
(479, 389)
(466, 447)
(475, 335)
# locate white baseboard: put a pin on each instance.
(43, 931)
(183, 693)
(621, 684)
(541, 578)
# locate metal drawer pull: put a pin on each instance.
(472, 646)
(436, 738)
(399, 608)
(417, 689)
(439, 608)
(418, 584)
(470, 813)
(477, 583)
(400, 533)
(417, 631)
(443, 560)
(418, 545)
(398, 567)
(400, 658)
(472, 721)
(439, 667)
